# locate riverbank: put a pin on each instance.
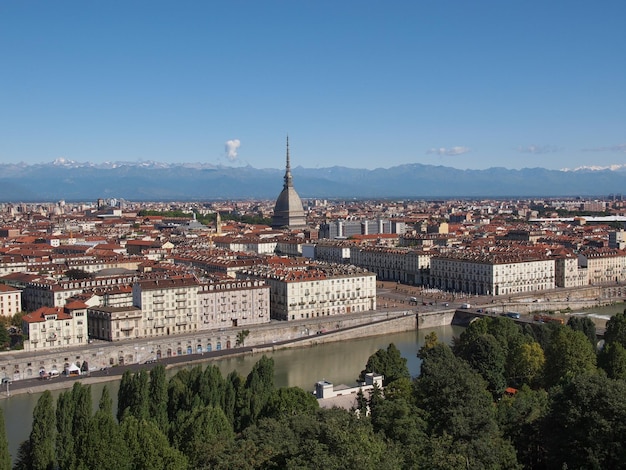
(108, 361)
(380, 324)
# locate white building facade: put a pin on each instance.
(491, 274)
(54, 327)
(318, 291)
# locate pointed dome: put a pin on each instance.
(288, 211)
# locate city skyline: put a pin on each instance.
(467, 86)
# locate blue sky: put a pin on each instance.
(368, 84)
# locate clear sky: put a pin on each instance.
(363, 84)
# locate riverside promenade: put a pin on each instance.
(103, 363)
(400, 308)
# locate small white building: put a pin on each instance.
(342, 396)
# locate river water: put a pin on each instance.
(339, 363)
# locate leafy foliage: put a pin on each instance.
(389, 363)
(569, 354)
(586, 325)
(452, 416)
(616, 329)
(5, 457)
(586, 424)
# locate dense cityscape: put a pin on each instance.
(83, 285)
(115, 270)
(436, 279)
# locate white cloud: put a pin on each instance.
(538, 149)
(232, 146)
(612, 148)
(451, 151)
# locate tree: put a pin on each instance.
(612, 359)
(457, 404)
(148, 447)
(133, 395)
(5, 339)
(569, 354)
(520, 418)
(158, 397)
(5, 457)
(586, 325)
(258, 389)
(430, 340)
(42, 434)
(616, 329)
(125, 394)
(486, 355)
(586, 424)
(454, 396)
(197, 433)
(330, 438)
(526, 363)
(288, 401)
(65, 445)
(81, 400)
(104, 441)
(241, 337)
(16, 320)
(76, 274)
(23, 460)
(389, 363)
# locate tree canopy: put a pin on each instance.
(504, 396)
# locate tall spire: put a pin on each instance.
(288, 179)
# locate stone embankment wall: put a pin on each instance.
(18, 365)
(555, 301)
(407, 321)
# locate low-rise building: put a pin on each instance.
(55, 327)
(10, 300)
(115, 323)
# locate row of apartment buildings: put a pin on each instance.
(496, 270)
(170, 305)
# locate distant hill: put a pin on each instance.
(63, 179)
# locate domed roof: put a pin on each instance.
(288, 211)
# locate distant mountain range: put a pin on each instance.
(153, 181)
